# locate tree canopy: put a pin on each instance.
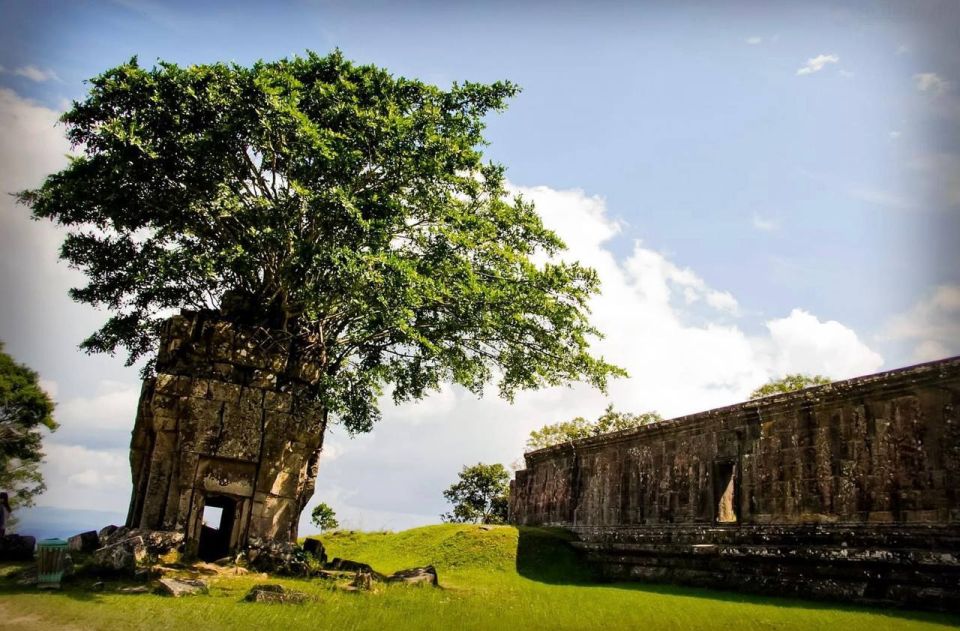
(480, 496)
(579, 427)
(333, 202)
(24, 409)
(323, 517)
(789, 383)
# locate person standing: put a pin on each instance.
(4, 513)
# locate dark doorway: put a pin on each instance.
(218, 517)
(724, 492)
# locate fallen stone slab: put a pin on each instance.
(84, 542)
(178, 587)
(346, 565)
(416, 576)
(315, 548)
(268, 593)
(106, 531)
(134, 589)
(277, 557)
(122, 556)
(17, 548)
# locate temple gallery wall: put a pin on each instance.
(849, 491)
(221, 427)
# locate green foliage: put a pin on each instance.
(24, 409)
(480, 496)
(579, 427)
(345, 207)
(790, 383)
(323, 517)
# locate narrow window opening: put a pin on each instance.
(212, 517)
(725, 495)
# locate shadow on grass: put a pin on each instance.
(79, 587)
(546, 556)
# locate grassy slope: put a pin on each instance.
(496, 579)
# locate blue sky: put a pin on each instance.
(765, 187)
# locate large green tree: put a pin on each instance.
(576, 428)
(788, 383)
(331, 202)
(480, 495)
(25, 409)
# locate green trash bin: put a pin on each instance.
(51, 562)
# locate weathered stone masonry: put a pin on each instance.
(850, 490)
(221, 425)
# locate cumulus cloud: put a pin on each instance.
(816, 64)
(930, 82)
(677, 336)
(755, 40)
(803, 343)
(81, 478)
(31, 72)
(932, 325)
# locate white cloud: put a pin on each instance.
(902, 49)
(894, 135)
(676, 336)
(78, 477)
(49, 386)
(32, 72)
(113, 407)
(878, 197)
(932, 324)
(755, 40)
(816, 64)
(764, 224)
(931, 82)
(846, 74)
(802, 343)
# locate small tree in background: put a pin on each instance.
(579, 427)
(323, 517)
(24, 409)
(481, 495)
(790, 383)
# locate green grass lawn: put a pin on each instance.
(502, 578)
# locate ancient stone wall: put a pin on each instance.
(222, 425)
(849, 490)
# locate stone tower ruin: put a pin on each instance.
(223, 426)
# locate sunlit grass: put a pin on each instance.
(502, 578)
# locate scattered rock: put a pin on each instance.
(486, 527)
(275, 557)
(209, 568)
(315, 548)
(122, 556)
(97, 587)
(133, 589)
(415, 576)
(177, 587)
(267, 593)
(28, 576)
(346, 565)
(362, 581)
(84, 542)
(105, 533)
(17, 548)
